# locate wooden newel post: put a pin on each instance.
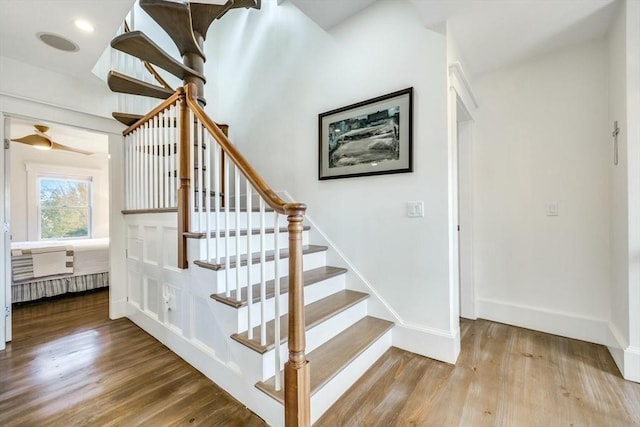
(297, 400)
(184, 190)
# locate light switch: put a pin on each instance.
(415, 209)
(552, 209)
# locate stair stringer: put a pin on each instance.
(439, 344)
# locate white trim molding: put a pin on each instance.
(627, 357)
(458, 80)
(565, 324)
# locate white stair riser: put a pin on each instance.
(312, 293)
(197, 249)
(338, 385)
(214, 281)
(316, 336)
(199, 220)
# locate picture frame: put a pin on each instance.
(372, 137)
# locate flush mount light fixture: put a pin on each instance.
(58, 42)
(84, 25)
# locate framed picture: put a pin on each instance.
(371, 137)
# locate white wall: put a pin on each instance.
(22, 154)
(278, 71)
(542, 135)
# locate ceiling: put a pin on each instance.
(490, 33)
(21, 20)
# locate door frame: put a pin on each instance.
(462, 104)
(22, 107)
(5, 289)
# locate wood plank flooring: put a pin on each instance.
(69, 365)
(505, 376)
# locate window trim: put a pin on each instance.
(37, 170)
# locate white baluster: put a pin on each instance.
(216, 190)
(227, 235)
(263, 277)
(166, 148)
(154, 162)
(160, 153)
(207, 195)
(175, 153)
(236, 202)
(194, 195)
(276, 301)
(146, 167)
(249, 282)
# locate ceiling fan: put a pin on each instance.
(42, 141)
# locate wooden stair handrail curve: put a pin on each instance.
(270, 197)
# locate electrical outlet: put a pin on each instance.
(552, 209)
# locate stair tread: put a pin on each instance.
(232, 233)
(175, 20)
(310, 277)
(315, 313)
(126, 119)
(333, 356)
(122, 83)
(255, 257)
(138, 44)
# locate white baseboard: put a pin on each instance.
(553, 322)
(433, 343)
(632, 364)
(627, 358)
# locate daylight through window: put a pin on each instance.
(64, 207)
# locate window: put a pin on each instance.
(64, 207)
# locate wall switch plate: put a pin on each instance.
(415, 209)
(552, 209)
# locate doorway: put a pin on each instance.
(464, 127)
(57, 197)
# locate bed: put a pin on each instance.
(49, 268)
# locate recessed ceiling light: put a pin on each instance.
(84, 25)
(58, 42)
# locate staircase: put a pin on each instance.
(342, 339)
(298, 339)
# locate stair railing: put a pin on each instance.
(177, 157)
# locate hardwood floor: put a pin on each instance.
(69, 365)
(505, 376)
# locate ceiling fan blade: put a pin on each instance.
(36, 141)
(56, 146)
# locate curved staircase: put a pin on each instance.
(187, 25)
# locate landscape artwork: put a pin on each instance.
(372, 137)
(368, 138)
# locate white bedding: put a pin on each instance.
(90, 255)
(90, 270)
